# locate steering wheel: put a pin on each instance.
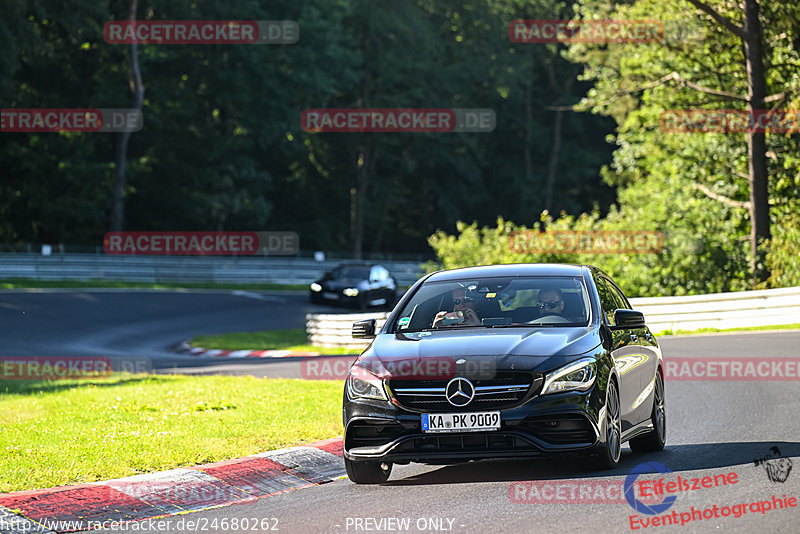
(549, 319)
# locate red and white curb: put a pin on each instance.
(250, 353)
(140, 497)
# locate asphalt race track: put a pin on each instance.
(713, 428)
(141, 324)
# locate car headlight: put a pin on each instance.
(577, 376)
(315, 287)
(350, 292)
(361, 384)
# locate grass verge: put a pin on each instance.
(795, 326)
(289, 339)
(66, 432)
(27, 283)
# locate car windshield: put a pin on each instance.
(361, 273)
(496, 302)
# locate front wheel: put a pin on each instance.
(608, 456)
(367, 472)
(656, 438)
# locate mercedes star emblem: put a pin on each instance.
(459, 392)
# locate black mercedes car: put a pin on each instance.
(504, 361)
(360, 285)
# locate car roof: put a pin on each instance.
(513, 269)
(361, 264)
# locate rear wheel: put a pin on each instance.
(656, 438)
(608, 456)
(368, 472)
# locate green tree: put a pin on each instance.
(707, 68)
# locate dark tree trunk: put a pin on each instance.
(552, 164)
(137, 90)
(387, 204)
(756, 141)
(562, 91)
(365, 159)
(528, 157)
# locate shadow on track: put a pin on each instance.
(676, 457)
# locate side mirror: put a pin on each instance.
(625, 319)
(364, 329)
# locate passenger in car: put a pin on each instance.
(551, 301)
(465, 311)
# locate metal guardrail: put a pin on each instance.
(334, 330)
(155, 269)
(769, 307)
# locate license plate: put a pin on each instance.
(332, 296)
(460, 422)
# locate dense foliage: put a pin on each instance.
(577, 143)
(690, 186)
(222, 147)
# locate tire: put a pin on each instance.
(367, 472)
(654, 440)
(609, 452)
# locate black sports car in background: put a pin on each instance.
(355, 284)
(504, 361)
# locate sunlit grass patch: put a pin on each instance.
(66, 432)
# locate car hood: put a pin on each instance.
(528, 349)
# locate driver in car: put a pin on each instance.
(551, 302)
(464, 311)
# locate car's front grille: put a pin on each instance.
(504, 390)
(485, 442)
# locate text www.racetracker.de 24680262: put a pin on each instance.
(166, 524)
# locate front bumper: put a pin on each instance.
(341, 299)
(552, 424)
